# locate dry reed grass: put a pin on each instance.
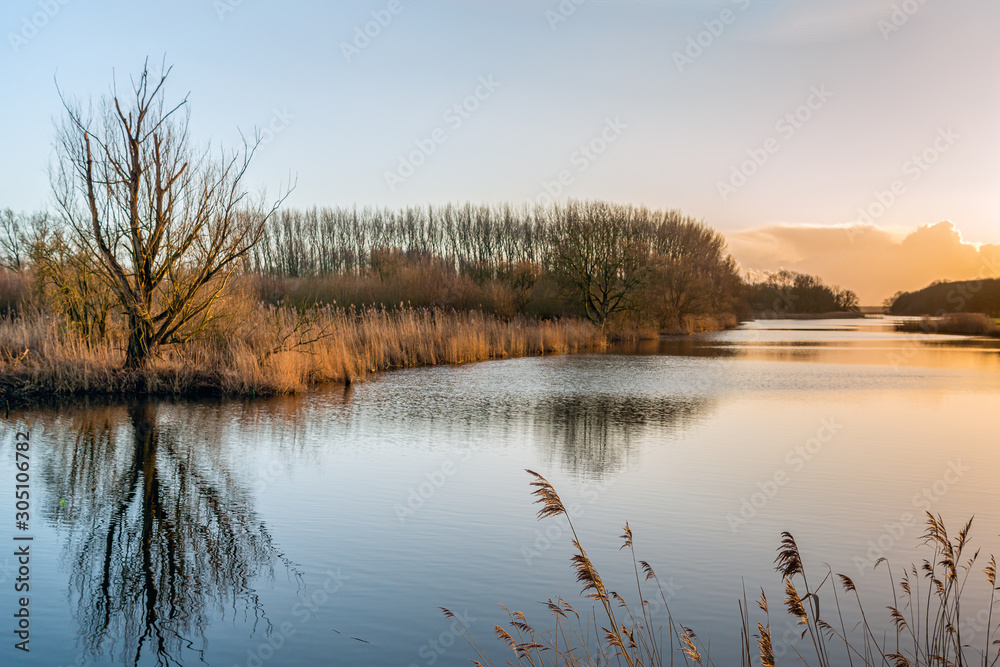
(693, 324)
(621, 634)
(274, 350)
(959, 324)
(927, 622)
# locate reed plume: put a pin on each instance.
(766, 650)
(927, 625)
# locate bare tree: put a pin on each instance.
(14, 239)
(599, 257)
(692, 270)
(165, 224)
(847, 300)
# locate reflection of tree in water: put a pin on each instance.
(594, 434)
(584, 432)
(159, 532)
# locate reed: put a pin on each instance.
(264, 349)
(958, 324)
(926, 614)
(621, 633)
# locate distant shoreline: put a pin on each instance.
(814, 316)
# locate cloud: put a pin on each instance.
(872, 261)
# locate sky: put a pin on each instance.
(757, 116)
(875, 262)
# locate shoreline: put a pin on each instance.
(42, 363)
(285, 355)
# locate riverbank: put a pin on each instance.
(275, 351)
(834, 315)
(272, 350)
(956, 324)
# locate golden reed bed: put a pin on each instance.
(274, 350)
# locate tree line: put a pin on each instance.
(791, 293)
(591, 259)
(605, 258)
(943, 297)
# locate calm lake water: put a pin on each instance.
(328, 529)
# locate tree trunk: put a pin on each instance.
(139, 339)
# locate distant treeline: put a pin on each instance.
(647, 270)
(592, 259)
(789, 293)
(941, 298)
(324, 241)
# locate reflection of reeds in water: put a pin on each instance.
(276, 350)
(928, 624)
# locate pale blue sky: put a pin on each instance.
(683, 133)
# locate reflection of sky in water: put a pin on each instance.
(850, 342)
(232, 514)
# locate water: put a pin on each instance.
(329, 529)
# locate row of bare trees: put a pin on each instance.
(607, 258)
(337, 240)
